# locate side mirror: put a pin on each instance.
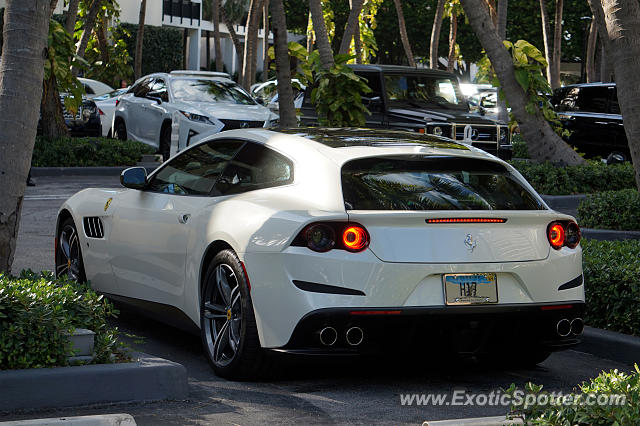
(134, 178)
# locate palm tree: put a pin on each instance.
(403, 33)
(228, 22)
(265, 41)
(26, 27)
(250, 43)
(353, 22)
(435, 35)
(452, 10)
(322, 37)
(137, 70)
(557, 46)
(543, 143)
(71, 16)
(590, 66)
(546, 37)
(283, 72)
(503, 113)
(621, 40)
(89, 23)
(216, 34)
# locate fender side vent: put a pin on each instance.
(93, 227)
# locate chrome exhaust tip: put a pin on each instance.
(328, 336)
(577, 326)
(563, 327)
(354, 336)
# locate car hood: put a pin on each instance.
(440, 115)
(227, 111)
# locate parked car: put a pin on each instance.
(94, 88)
(592, 114)
(485, 102)
(423, 100)
(333, 241)
(106, 107)
(267, 94)
(85, 122)
(197, 102)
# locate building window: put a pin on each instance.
(187, 11)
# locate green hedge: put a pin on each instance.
(612, 284)
(87, 152)
(520, 149)
(162, 48)
(612, 398)
(611, 210)
(36, 314)
(594, 176)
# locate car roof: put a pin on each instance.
(399, 69)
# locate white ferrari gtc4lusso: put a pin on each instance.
(333, 241)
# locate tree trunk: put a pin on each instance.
(606, 68)
(603, 36)
(52, 6)
(557, 46)
(357, 44)
(503, 113)
(590, 65)
(52, 124)
(102, 40)
(250, 43)
(71, 16)
(453, 32)
(89, 24)
(435, 35)
(26, 27)
(353, 22)
(493, 12)
(320, 30)
(403, 34)
(137, 69)
(546, 37)
(287, 110)
(216, 36)
(265, 42)
(310, 34)
(234, 36)
(543, 143)
(622, 18)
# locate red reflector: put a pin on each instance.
(375, 312)
(555, 307)
(246, 276)
(466, 220)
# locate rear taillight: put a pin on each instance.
(324, 236)
(117, 102)
(563, 234)
(101, 112)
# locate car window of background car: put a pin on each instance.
(442, 183)
(110, 95)
(195, 171)
(204, 90)
(159, 89)
(593, 99)
(374, 83)
(402, 88)
(255, 167)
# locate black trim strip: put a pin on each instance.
(324, 288)
(576, 282)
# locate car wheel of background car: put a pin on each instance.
(165, 141)
(68, 254)
(121, 130)
(227, 322)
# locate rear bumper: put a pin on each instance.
(455, 329)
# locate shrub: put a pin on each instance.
(612, 398)
(594, 176)
(162, 48)
(611, 210)
(36, 314)
(520, 149)
(612, 284)
(87, 152)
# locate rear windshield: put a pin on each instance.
(432, 183)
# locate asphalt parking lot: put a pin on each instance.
(364, 391)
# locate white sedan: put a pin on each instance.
(106, 107)
(333, 241)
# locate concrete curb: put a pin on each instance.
(609, 234)
(102, 420)
(147, 379)
(477, 421)
(610, 345)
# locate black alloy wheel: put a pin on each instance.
(68, 253)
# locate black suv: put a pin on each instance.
(425, 101)
(591, 112)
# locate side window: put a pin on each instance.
(159, 89)
(88, 90)
(255, 167)
(593, 99)
(566, 100)
(195, 171)
(376, 94)
(614, 107)
(141, 89)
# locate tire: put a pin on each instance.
(121, 131)
(227, 322)
(68, 256)
(165, 142)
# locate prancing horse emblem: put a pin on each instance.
(107, 204)
(470, 243)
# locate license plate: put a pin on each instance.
(470, 289)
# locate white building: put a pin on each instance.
(186, 15)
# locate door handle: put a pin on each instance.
(184, 218)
